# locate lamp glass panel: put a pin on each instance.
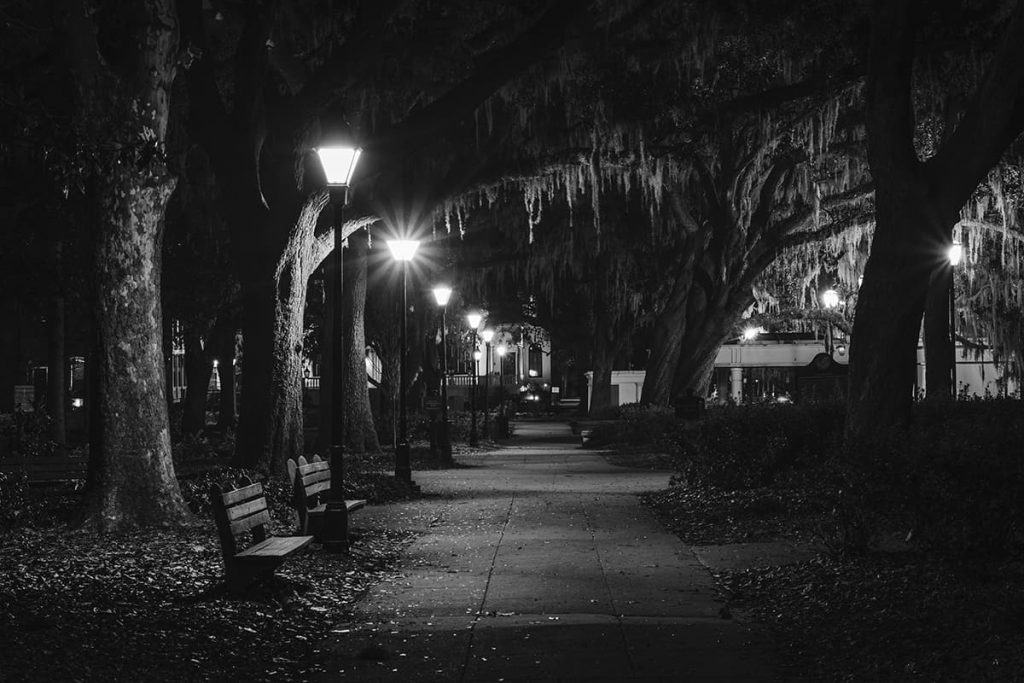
(403, 250)
(339, 163)
(474, 320)
(442, 294)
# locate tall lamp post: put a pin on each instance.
(474, 324)
(441, 295)
(487, 335)
(956, 254)
(830, 298)
(403, 251)
(339, 162)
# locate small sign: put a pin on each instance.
(556, 390)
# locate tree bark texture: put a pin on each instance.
(124, 104)
(361, 434)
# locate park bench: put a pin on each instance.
(243, 511)
(311, 482)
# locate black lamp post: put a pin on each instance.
(474, 323)
(441, 295)
(403, 251)
(487, 335)
(339, 163)
(956, 254)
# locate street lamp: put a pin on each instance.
(955, 255)
(403, 251)
(487, 336)
(339, 163)
(474, 319)
(441, 295)
(830, 299)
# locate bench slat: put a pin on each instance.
(251, 507)
(244, 493)
(259, 519)
(311, 477)
(350, 505)
(276, 546)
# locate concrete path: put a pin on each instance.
(538, 563)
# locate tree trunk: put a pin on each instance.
(222, 342)
(938, 346)
(56, 386)
(361, 435)
(601, 383)
(135, 484)
(328, 413)
(132, 477)
(198, 368)
(251, 444)
(883, 349)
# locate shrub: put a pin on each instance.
(743, 447)
(636, 425)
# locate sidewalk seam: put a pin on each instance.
(487, 588)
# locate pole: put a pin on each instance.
(403, 467)
(446, 440)
(474, 439)
(487, 387)
(952, 333)
(335, 531)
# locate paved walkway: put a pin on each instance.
(538, 563)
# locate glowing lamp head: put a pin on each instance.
(750, 333)
(502, 350)
(403, 250)
(474, 319)
(830, 298)
(477, 355)
(487, 335)
(339, 162)
(442, 294)
(956, 254)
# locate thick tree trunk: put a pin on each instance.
(286, 384)
(883, 349)
(361, 435)
(198, 368)
(938, 346)
(56, 387)
(251, 443)
(325, 434)
(601, 383)
(699, 349)
(135, 483)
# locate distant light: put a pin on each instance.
(339, 163)
(77, 402)
(474, 319)
(783, 399)
(841, 349)
(750, 333)
(403, 250)
(956, 254)
(533, 373)
(830, 298)
(442, 294)
(216, 363)
(488, 335)
(502, 350)
(477, 355)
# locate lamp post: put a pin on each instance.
(403, 251)
(487, 336)
(956, 254)
(474, 323)
(830, 298)
(441, 295)
(502, 350)
(339, 164)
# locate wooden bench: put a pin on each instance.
(243, 510)
(311, 484)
